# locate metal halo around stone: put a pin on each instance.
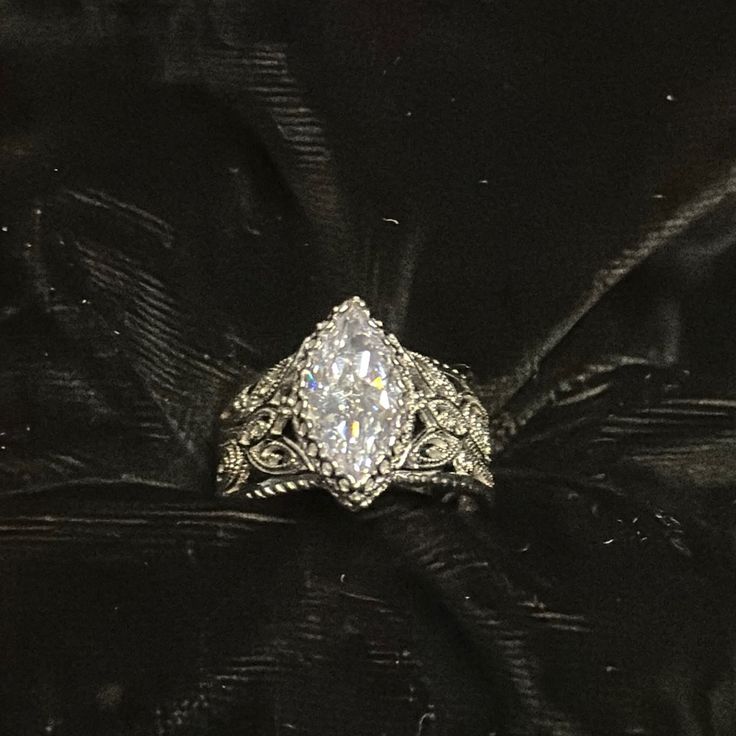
(352, 411)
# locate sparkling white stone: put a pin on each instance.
(352, 394)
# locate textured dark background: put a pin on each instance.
(543, 191)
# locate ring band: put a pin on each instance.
(353, 412)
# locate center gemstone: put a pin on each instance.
(352, 394)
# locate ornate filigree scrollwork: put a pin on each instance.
(353, 411)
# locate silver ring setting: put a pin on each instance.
(353, 412)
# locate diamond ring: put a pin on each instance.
(353, 412)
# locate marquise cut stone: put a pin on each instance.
(353, 394)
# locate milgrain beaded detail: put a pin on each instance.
(352, 411)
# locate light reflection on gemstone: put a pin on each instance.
(352, 395)
(310, 380)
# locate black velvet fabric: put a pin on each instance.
(545, 192)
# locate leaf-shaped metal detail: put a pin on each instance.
(447, 416)
(431, 372)
(433, 448)
(259, 393)
(233, 470)
(277, 456)
(476, 418)
(258, 425)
